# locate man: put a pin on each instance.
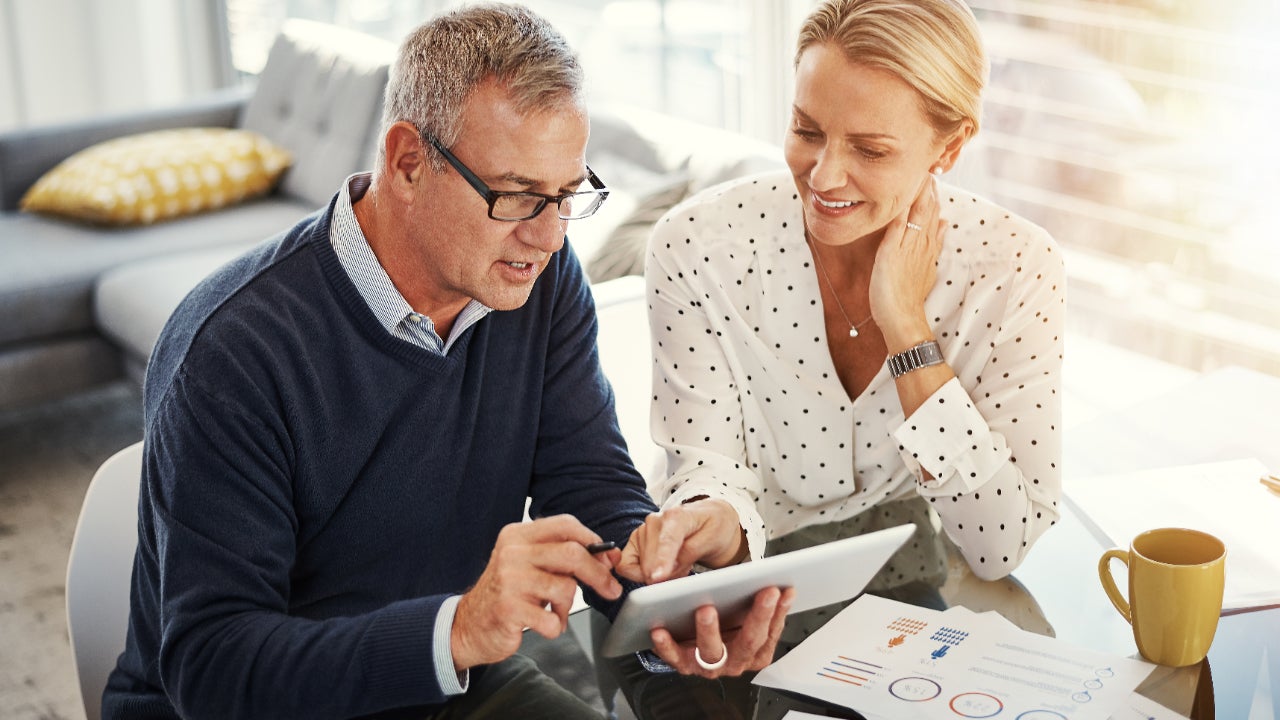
(342, 428)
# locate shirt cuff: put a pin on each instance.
(949, 439)
(450, 680)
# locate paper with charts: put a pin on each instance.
(886, 658)
(1224, 499)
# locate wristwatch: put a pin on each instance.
(922, 355)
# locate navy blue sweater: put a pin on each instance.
(314, 488)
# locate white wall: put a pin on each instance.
(10, 110)
(61, 60)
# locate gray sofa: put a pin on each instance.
(82, 305)
(316, 97)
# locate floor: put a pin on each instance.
(47, 457)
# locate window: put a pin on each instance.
(1135, 131)
(683, 57)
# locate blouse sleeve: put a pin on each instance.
(994, 450)
(697, 417)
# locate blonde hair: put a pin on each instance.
(441, 62)
(934, 46)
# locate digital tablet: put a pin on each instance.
(822, 574)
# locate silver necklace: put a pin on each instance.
(853, 329)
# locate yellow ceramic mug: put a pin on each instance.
(1175, 592)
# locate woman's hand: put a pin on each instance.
(906, 266)
(669, 542)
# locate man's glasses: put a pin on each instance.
(516, 206)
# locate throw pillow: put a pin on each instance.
(158, 175)
(623, 252)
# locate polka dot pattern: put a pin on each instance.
(749, 408)
(158, 175)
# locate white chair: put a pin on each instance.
(623, 341)
(99, 571)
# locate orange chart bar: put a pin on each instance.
(835, 677)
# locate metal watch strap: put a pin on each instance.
(922, 355)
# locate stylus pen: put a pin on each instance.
(596, 548)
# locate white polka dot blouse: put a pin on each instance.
(748, 406)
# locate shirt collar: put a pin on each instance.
(361, 264)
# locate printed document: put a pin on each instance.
(1224, 499)
(889, 659)
(1138, 708)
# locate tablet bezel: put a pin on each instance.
(671, 604)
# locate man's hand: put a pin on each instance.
(706, 531)
(529, 583)
(671, 541)
(750, 647)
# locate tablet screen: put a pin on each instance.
(822, 575)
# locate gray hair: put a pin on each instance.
(441, 62)
(934, 46)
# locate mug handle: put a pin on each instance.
(1109, 581)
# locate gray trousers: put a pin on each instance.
(516, 688)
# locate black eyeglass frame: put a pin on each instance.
(492, 196)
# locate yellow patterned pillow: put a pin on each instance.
(158, 175)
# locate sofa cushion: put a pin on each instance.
(48, 266)
(132, 302)
(626, 139)
(650, 162)
(623, 251)
(623, 341)
(37, 372)
(139, 179)
(29, 152)
(320, 96)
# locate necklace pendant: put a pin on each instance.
(853, 332)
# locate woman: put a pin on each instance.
(794, 321)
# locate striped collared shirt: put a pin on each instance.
(395, 314)
(375, 286)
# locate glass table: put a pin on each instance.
(1056, 591)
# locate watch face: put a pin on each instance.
(930, 354)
